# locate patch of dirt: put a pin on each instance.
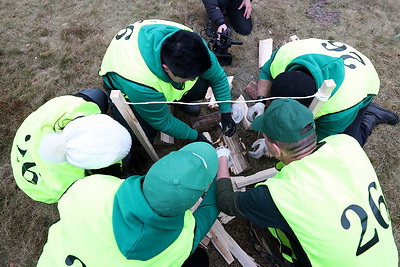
(317, 14)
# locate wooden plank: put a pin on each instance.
(224, 218)
(252, 90)
(323, 94)
(264, 51)
(238, 153)
(127, 113)
(293, 38)
(243, 181)
(219, 234)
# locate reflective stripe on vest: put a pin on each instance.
(335, 207)
(86, 215)
(361, 78)
(124, 58)
(40, 180)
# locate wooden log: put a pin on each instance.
(238, 153)
(264, 51)
(206, 123)
(127, 113)
(252, 90)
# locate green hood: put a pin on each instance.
(139, 232)
(321, 67)
(151, 37)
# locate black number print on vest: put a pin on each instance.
(126, 30)
(70, 259)
(30, 175)
(339, 47)
(364, 245)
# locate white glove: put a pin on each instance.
(261, 148)
(237, 113)
(224, 152)
(256, 110)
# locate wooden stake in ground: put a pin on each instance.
(323, 94)
(264, 51)
(130, 118)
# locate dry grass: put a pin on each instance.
(50, 48)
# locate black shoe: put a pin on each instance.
(211, 29)
(381, 115)
(193, 110)
(375, 115)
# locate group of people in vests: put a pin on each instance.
(324, 207)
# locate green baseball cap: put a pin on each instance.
(175, 182)
(284, 121)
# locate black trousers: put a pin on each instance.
(199, 258)
(357, 129)
(239, 23)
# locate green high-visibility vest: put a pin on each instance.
(356, 65)
(84, 235)
(42, 180)
(334, 204)
(124, 58)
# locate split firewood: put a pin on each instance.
(252, 90)
(243, 181)
(238, 153)
(210, 95)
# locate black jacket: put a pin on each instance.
(215, 9)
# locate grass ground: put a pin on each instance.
(51, 48)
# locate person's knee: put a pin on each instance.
(244, 29)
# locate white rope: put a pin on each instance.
(222, 101)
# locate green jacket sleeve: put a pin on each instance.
(219, 83)
(205, 215)
(157, 115)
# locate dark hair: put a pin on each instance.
(294, 83)
(185, 54)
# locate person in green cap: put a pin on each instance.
(160, 61)
(65, 139)
(140, 221)
(325, 206)
(298, 69)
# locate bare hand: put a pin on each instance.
(247, 11)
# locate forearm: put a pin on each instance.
(227, 198)
(205, 215)
(264, 87)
